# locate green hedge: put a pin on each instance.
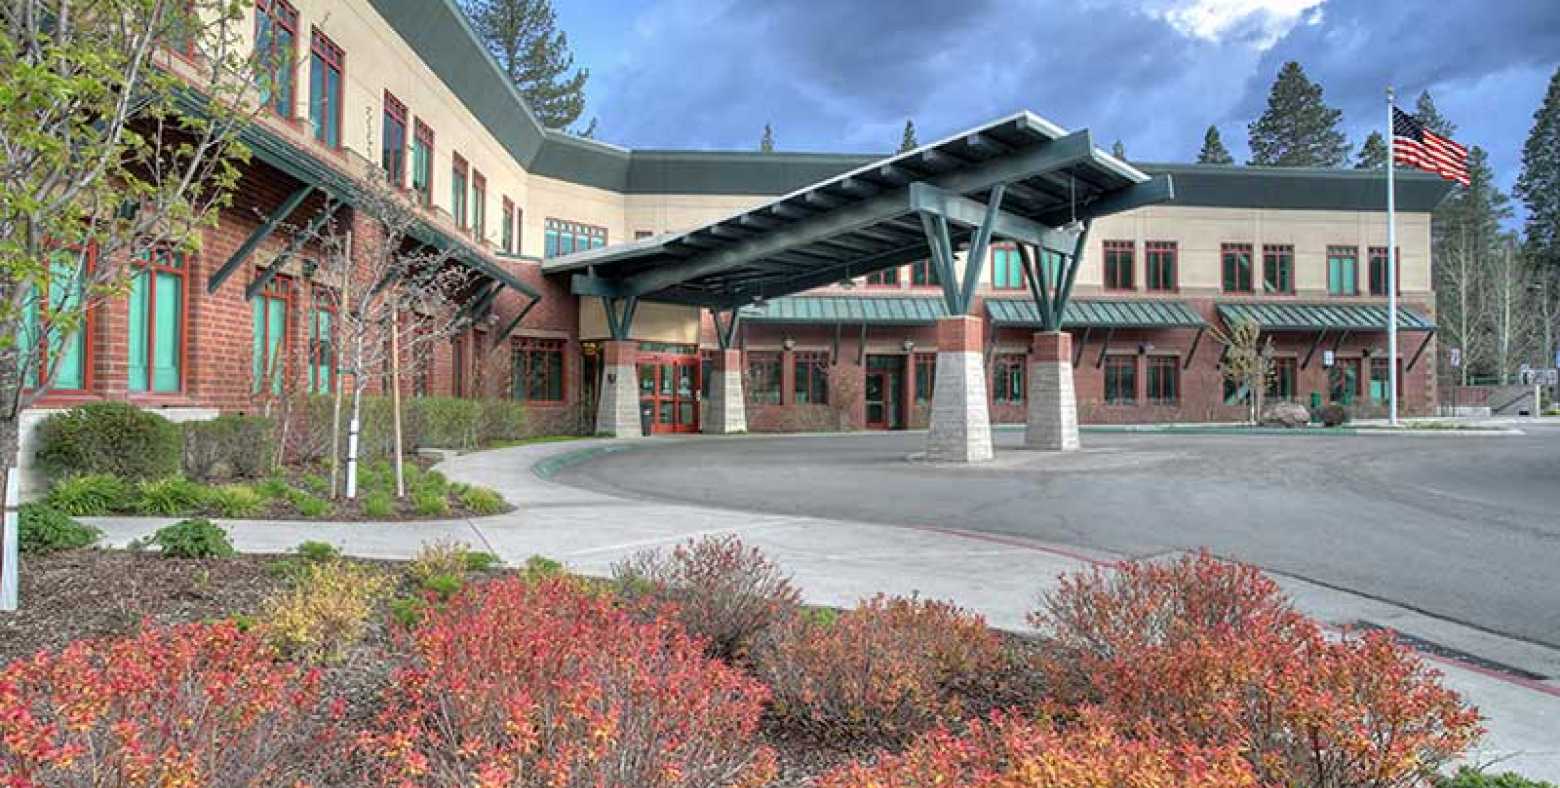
(435, 422)
(109, 437)
(229, 446)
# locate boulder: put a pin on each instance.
(1285, 414)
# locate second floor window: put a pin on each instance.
(1278, 269)
(1007, 269)
(325, 65)
(924, 274)
(156, 328)
(565, 237)
(458, 191)
(422, 163)
(1237, 268)
(1342, 271)
(393, 155)
(1159, 265)
(1118, 265)
(1378, 271)
(506, 235)
(888, 277)
(478, 205)
(276, 29)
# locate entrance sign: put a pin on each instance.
(1455, 358)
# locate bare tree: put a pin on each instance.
(1248, 361)
(1508, 319)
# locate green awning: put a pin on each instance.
(871, 310)
(1323, 317)
(1085, 313)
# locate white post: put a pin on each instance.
(10, 537)
(1392, 348)
(395, 400)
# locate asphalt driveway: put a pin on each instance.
(1466, 528)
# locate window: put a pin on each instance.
(1007, 378)
(458, 190)
(67, 355)
(706, 373)
(536, 369)
(276, 28)
(924, 274)
(156, 330)
(422, 368)
(640, 235)
(1164, 380)
(1120, 380)
(268, 316)
(1235, 393)
(763, 372)
(1380, 380)
(1007, 268)
(393, 154)
(325, 63)
(1278, 269)
(1378, 271)
(925, 376)
(810, 381)
(1282, 384)
(1118, 265)
(888, 277)
(458, 366)
(507, 228)
(1343, 380)
(1237, 268)
(1159, 265)
(322, 343)
(1342, 270)
(565, 237)
(478, 205)
(422, 162)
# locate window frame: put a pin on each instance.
(1111, 259)
(478, 206)
(555, 230)
(1282, 258)
(1375, 254)
(1275, 389)
(1004, 258)
(924, 274)
(279, 288)
(151, 269)
(1226, 251)
(506, 230)
(766, 359)
(1161, 363)
(925, 365)
(395, 112)
(1342, 252)
(1011, 369)
(1153, 257)
(422, 133)
(332, 57)
(82, 335)
(524, 353)
(1130, 366)
(810, 377)
(1386, 367)
(460, 182)
(884, 278)
(323, 299)
(286, 20)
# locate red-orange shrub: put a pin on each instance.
(891, 667)
(200, 704)
(543, 683)
(1015, 752)
(722, 590)
(1206, 652)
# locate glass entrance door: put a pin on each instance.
(877, 394)
(669, 391)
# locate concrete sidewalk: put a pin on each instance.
(837, 563)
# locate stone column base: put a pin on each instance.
(1052, 421)
(960, 429)
(727, 413)
(617, 410)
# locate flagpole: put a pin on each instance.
(1392, 344)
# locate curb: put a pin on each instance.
(549, 466)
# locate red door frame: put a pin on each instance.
(882, 375)
(655, 399)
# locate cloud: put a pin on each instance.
(1259, 23)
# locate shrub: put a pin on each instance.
(378, 504)
(273, 487)
(407, 611)
(89, 495)
(444, 586)
(199, 704)
(194, 538)
(317, 551)
(115, 438)
(235, 500)
(538, 567)
(430, 504)
(44, 529)
(888, 669)
(724, 592)
(444, 422)
(325, 611)
(482, 500)
(174, 495)
(429, 482)
(563, 687)
(1209, 653)
(229, 446)
(1333, 415)
(1013, 752)
(480, 561)
(314, 484)
(1473, 778)
(501, 420)
(310, 506)
(444, 557)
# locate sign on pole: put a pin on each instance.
(1455, 357)
(1327, 358)
(9, 542)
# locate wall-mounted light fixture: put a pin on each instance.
(1145, 348)
(789, 343)
(908, 345)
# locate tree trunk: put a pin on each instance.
(395, 400)
(335, 377)
(10, 538)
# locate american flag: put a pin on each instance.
(1416, 146)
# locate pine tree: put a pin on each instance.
(524, 38)
(1118, 150)
(1213, 150)
(1373, 154)
(1298, 129)
(1538, 185)
(766, 143)
(908, 141)
(1426, 113)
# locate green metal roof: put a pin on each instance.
(1317, 317)
(1083, 313)
(872, 310)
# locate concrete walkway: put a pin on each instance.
(837, 563)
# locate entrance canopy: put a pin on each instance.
(874, 217)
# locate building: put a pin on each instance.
(403, 85)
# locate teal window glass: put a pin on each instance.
(458, 192)
(325, 60)
(156, 328)
(1237, 268)
(422, 162)
(1278, 269)
(392, 155)
(322, 351)
(1342, 271)
(66, 353)
(268, 316)
(276, 27)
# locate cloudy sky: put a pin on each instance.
(843, 75)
